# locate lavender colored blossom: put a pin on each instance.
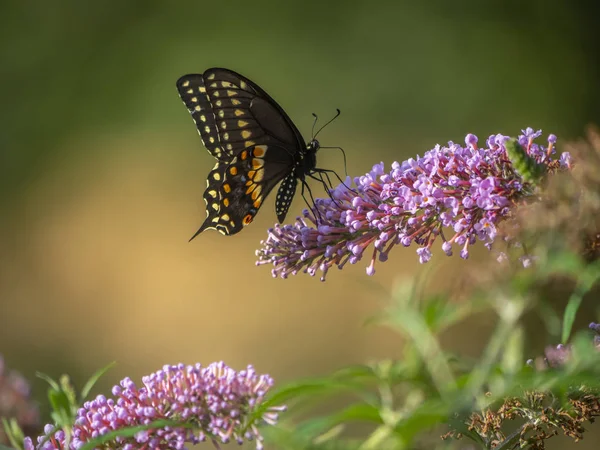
(559, 355)
(16, 402)
(456, 193)
(214, 402)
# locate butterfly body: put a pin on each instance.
(255, 143)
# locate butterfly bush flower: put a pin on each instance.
(458, 193)
(214, 402)
(16, 402)
(559, 355)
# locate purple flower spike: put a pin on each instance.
(215, 403)
(463, 191)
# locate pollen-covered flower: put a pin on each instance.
(457, 193)
(16, 402)
(215, 403)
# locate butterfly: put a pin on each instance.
(255, 143)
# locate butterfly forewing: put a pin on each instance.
(193, 93)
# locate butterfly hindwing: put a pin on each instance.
(236, 191)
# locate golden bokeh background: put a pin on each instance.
(102, 171)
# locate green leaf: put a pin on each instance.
(94, 379)
(4, 447)
(53, 384)
(13, 432)
(585, 282)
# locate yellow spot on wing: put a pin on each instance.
(212, 193)
(190, 91)
(215, 206)
(260, 173)
(186, 83)
(194, 99)
(243, 84)
(235, 102)
(197, 108)
(251, 188)
(203, 118)
(202, 90)
(239, 112)
(211, 139)
(249, 144)
(217, 176)
(242, 123)
(257, 163)
(211, 76)
(221, 113)
(231, 93)
(257, 202)
(256, 192)
(260, 151)
(246, 134)
(225, 217)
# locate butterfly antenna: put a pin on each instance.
(313, 127)
(344, 154)
(331, 120)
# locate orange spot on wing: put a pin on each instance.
(227, 188)
(259, 152)
(244, 155)
(233, 170)
(247, 219)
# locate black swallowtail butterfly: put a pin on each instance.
(255, 143)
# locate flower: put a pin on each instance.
(16, 402)
(557, 356)
(213, 402)
(465, 191)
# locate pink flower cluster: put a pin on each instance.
(214, 402)
(454, 192)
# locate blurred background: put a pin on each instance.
(102, 170)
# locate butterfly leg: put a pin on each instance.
(326, 171)
(312, 208)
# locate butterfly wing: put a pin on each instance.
(235, 117)
(236, 190)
